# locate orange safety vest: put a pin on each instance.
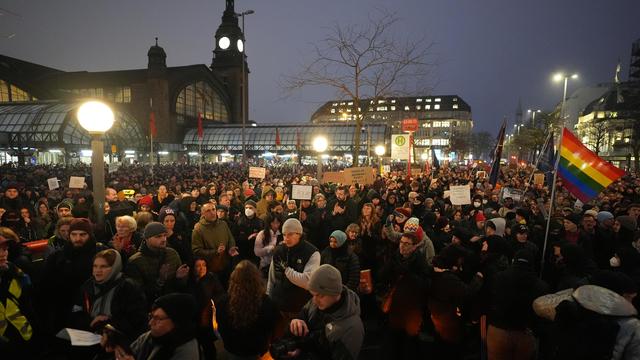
(10, 313)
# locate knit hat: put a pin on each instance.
(521, 229)
(604, 216)
(64, 204)
(340, 237)
(250, 203)
(574, 218)
(412, 225)
(164, 212)
(402, 212)
(180, 308)
(292, 226)
(154, 229)
(81, 224)
(627, 222)
(326, 280)
(145, 200)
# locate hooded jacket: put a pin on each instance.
(604, 302)
(338, 331)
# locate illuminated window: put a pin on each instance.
(334, 104)
(455, 106)
(600, 115)
(437, 100)
(349, 110)
(393, 107)
(428, 100)
(436, 107)
(10, 92)
(350, 103)
(418, 107)
(406, 108)
(437, 124)
(200, 98)
(343, 103)
(393, 101)
(445, 124)
(333, 111)
(382, 101)
(427, 107)
(4, 91)
(381, 108)
(455, 99)
(418, 100)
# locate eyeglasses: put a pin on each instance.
(157, 318)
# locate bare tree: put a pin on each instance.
(364, 62)
(597, 133)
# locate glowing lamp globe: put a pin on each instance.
(95, 117)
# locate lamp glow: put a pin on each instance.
(320, 144)
(95, 117)
(380, 150)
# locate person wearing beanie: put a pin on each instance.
(294, 260)
(64, 273)
(213, 240)
(64, 209)
(340, 256)
(248, 227)
(571, 227)
(172, 330)
(604, 242)
(333, 313)
(155, 267)
(425, 245)
(522, 242)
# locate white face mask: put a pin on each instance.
(614, 262)
(249, 212)
(477, 204)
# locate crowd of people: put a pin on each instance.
(188, 258)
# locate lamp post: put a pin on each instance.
(320, 144)
(244, 86)
(380, 150)
(97, 118)
(533, 116)
(560, 77)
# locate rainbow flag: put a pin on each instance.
(584, 173)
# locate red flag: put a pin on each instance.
(277, 137)
(152, 125)
(200, 130)
(297, 140)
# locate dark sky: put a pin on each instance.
(490, 52)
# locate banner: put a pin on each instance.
(400, 147)
(360, 175)
(257, 172)
(76, 182)
(460, 195)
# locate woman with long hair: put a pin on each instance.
(247, 317)
(372, 247)
(266, 241)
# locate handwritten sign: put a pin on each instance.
(360, 175)
(481, 174)
(538, 179)
(460, 195)
(113, 167)
(53, 183)
(257, 172)
(76, 182)
(515, 194)
(333, 177)
(301, 192)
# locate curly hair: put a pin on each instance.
(246, 289)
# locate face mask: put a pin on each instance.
(477, 203)
(614, 262)
(484, 201)
(249, 212)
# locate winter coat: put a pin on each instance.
(605, 312)
(265, 252)
(15, 283)
(346, 262)
(246, 227)
(207, 237)
(146, 348)
(144, 268)
(339, 333)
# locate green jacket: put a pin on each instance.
(144, 268)
(207, 237)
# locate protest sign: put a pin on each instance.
(460, 195)
(301, 192)
(360, 175)
(53, 183)
(76, 182)
(481, 174)
(333, 177)
(257, 172)
(538, 179)
(515, 194)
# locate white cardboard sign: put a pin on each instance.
(53, 183)
(460, 195)
(76, 182)
(257, 172)
(301, 192)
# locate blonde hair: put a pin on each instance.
(127, 220)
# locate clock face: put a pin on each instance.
(240, 45)
(224, 43)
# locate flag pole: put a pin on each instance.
(553, 198)
(542, 153)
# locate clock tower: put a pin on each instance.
(230, 62)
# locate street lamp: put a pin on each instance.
(380, 150)
(533, 116)
(245, 92)
(559, 77)
(97, 118)
(320, 144)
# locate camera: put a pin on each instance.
(281, 348)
